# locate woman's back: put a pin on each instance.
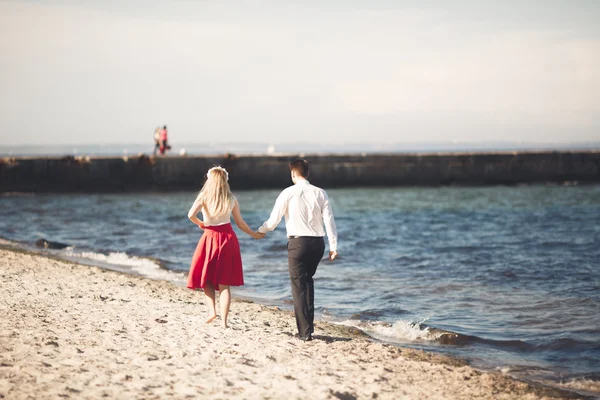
(221, 219)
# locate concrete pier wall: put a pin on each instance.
(143, 173)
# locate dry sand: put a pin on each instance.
(74, 331)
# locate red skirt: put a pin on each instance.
(217, 259)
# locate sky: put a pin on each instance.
(328, 71)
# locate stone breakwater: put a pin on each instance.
(143, 173)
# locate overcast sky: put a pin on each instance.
(372, 71)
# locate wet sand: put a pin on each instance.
(74, 331)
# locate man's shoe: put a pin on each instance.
(304, 338)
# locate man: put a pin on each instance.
(306, 209)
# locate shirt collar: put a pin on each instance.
(302, 182)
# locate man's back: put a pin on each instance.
(304, 214)
(306, 208)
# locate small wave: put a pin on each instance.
(562, 344)
(368, 314)
(568, 344)
(375, 313)
(590, 385)
(460, 249)
(404, 330)
(150, 268)
(47, 244)
(448, 288)
(376, 243)
(9, 243)
(401, 330)
(408, 259)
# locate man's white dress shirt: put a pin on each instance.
(306, 208)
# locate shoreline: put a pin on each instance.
(79, 331)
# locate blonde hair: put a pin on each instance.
(216, 194)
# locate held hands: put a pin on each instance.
(333, 255)
(257, 235)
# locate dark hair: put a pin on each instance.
(300, 166)
(165, 127)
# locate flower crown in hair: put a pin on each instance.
(220, 169)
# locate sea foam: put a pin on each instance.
(401, 330)
(143, 266)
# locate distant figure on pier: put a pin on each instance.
(156, 140)
(164, 145)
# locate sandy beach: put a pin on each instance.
(74, 331)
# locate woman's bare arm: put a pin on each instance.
(195, 210)
(239, 221)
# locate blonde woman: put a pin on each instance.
(217, 262)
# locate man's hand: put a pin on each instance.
(333, 255)
(257, 235)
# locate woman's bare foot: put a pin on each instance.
(224, 324)
(211, 318)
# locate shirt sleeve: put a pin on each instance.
(195, 208)
(278, 212)
(329, 221)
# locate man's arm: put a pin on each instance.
(330, 227)
(278, 212)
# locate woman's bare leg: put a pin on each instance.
(209, 291)
(225, 300)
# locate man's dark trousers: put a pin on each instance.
(304, 255)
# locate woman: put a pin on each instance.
(217, 262)
(156, 140)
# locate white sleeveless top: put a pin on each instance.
(222, 219)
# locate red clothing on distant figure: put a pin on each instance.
(163, 141)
